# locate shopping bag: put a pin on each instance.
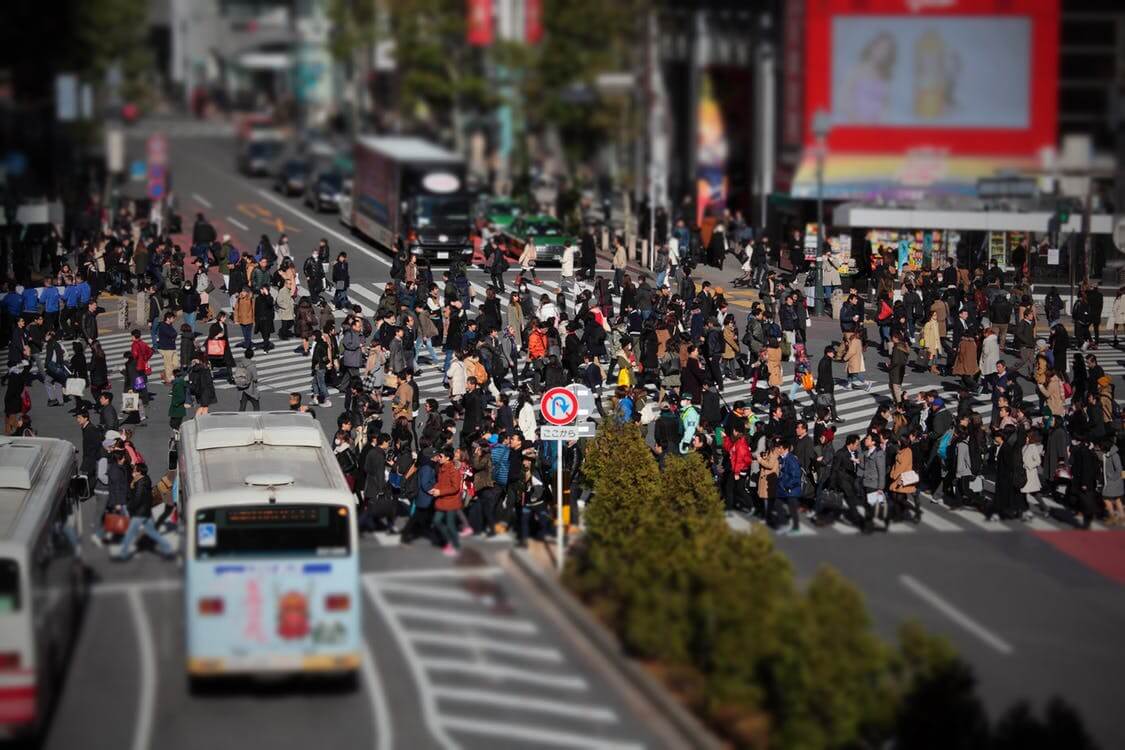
(908, 478)
(115, 523)
(75, 387)
(216, 347)
(130, 402)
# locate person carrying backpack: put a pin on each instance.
(246, 381)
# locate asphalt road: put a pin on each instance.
(1033, 619)
(457, 654)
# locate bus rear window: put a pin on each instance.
(9, 586)
(272, 531)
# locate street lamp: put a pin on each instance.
(821, 124)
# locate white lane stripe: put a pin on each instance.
(467, 572)
(477, 643)
(532, 736)
(380, 709)
(127, 587)
(446, 617)
(323, 227)
(738, 522)
(425, 689)
(525, 703)
(936, 522)
(976, 519)
(238, 224)
(200, 199)
(146, 690)
(477, 668)
(957, 616)
(441, 593)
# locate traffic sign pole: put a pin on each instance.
(559, 501)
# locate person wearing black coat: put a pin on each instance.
(473, 405)
(826, 383)
(1060, 343)
(1084, 469)
(1083, 318)
(263, 317)
(589, 253)
(1096, 303)
(140, 517)
(202, 233)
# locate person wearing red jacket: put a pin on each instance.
(447, 501)
(142, 352)
(740, 457)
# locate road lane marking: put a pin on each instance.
(440, 593)
(525, 703)
(425, 689)
(484, 570)
(127, 587)
(505, 624)
(934, 521)
(535, 736)
(200, 199)
(324, 227)
(380, 710)
(477, 668)
(957, 616)
(476, 643)
(146, 698)
(238, 224)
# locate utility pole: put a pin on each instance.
(822, 124)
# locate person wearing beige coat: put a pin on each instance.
(773, 363)
(853, 360)
(768, 464)
(1118, 315)
(1053, 392)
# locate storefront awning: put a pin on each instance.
(864, 216)
(910, 176)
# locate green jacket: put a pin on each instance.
(179, 396)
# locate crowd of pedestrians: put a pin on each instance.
(659, 352)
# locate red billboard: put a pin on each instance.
(964, 77)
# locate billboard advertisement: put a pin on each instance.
(964, 77)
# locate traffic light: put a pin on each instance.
(1064, 216)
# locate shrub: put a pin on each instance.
(765, 664)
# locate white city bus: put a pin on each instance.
(272, 558)
(43, 585)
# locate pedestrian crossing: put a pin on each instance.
(936, 519)
(476, 658)
(284, 369)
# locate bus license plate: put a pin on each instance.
(443, 256)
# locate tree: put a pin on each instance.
(352, 42)
(441, 77)
(114, 32)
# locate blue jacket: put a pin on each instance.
(789, 477)
(30, 299)
(13, 303)
(73, 296)
(83, 292)
(51, 299)
(427, 478)
(501, 454)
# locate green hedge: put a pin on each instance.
(766, 664)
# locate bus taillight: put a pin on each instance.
(9, 661)
(337, 602)
(211, 606)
